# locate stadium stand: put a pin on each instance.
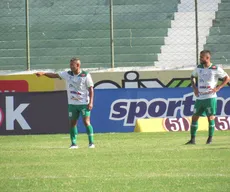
(218, 40)
(63, 29)
(146, 33)
(180, 44)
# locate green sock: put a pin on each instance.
(90, 133)
(73, 135)
(193, 129)
(211, 128)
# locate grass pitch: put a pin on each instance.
(135, 162)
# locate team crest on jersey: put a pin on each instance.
(70, 85)
(70, 77)
(214, 67)
(201, 80)
(83, 75)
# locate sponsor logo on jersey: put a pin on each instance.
(75, 92)
(75, 98)
(204, 87)
(206, 93)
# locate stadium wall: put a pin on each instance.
(102, 80)
(125, 110)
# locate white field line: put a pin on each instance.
(148, 175)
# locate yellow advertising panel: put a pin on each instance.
(178, 124)
(26, 83)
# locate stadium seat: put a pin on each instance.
(60, 30)
(218, 41)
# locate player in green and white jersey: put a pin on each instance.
(79, 85)
(205, 90)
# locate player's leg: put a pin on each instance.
(193, 129)
(73, 117)
(85, 112)
(211, 128)
(198, 111)
(211, 106)
(73, 133)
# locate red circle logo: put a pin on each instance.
(222, 123)
(176, 124)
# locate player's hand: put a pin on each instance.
(196, 92)
(90, 106)
(216, 89)
(39, 74)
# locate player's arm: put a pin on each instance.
(50, 75)
(193, 82)
(223, 75)
(89, 83)
(226, 79)
(91, 97)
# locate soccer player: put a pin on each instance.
(79, 85)
(205, 90)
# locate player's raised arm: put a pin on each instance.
(50, 75)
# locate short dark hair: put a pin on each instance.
(204, 52)
(75, 59)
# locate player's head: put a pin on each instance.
(75, 64)
(205, 56)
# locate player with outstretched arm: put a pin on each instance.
(79, 85)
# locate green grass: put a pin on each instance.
(156, 162)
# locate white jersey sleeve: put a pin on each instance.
(89, 81)
(221, 73)
(194, 73)
(63, 75)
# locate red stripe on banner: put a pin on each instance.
(14, 86)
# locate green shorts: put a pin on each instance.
(205, 107)
(76, 110)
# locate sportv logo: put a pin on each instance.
(12, 114)
(131, 109)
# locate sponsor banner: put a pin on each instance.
(33, 113)
(26, 83)
(13, 86)
(113, 80)
(116, 110)
(143, 79)
(183, 124)
(179, 124)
